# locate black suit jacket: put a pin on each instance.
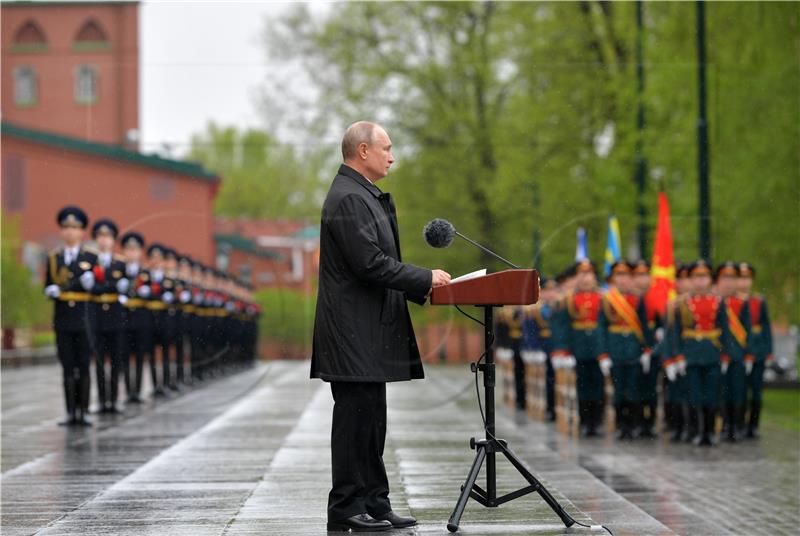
(362, 330)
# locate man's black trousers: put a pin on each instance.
(358, 435)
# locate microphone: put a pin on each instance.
(439, 233)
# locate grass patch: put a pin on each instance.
(782, 408)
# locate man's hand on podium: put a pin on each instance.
(440, 277)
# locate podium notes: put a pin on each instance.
(471, 275)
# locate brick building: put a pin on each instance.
(269, 253)
(70, 107)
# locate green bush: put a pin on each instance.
(43, 338)
(288, 315)
(23, 301)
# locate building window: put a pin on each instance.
(25, 86)
(29, 38)
(85, 84)
(91, 36)
(13, 183)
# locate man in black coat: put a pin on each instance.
(363, 336)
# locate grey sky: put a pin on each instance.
(200, 61)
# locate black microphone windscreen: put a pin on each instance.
(439, 233)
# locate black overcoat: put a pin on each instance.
(362, 330)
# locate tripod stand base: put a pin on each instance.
(485, 451)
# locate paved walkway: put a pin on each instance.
(249, 454)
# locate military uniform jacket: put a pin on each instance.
(110, 312)
(74, 309)
(737, 314)
(138, 317)
(536, 332)
(362, 329)
(575, 326)
(624, 328)
(701, 330)
(760, 328)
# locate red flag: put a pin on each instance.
(662, 287)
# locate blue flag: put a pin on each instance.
(581, 251)
(613, 244)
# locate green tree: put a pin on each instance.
(261, 177)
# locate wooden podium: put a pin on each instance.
(509, 287)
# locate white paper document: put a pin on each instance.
(471, 275)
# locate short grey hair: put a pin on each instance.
(356, 134)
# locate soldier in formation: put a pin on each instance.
(115, 308)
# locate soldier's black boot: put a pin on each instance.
(69, 399)
(707, 428)
(669, 418)
(729, 431)
(84, 391)
(647, 413)
(583, 417)
(752, 423)
(636, 421)
(620, 421)
(596, 418)
(676, 414)
(693, 430)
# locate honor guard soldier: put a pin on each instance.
(681, 422)
(576, 336)
(110, 290)
(158, 302)
(69, 280)
(139, 321)
(536, 337)
(198, 340)
(625, 348)
(172, 291)
(186, 322)
(734, 353)
(701, 330)
(760, 345)
(640, 279)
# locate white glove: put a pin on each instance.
(605, 366)
(660, 334)
(644, 359)
(528, 356)
(122, 298)
(143, 291)
(123, 285)
(198, 298)
(504, 354)
(672, 371)
(570, 362)
(230, 306)
(87, 280)
(682, 367)
(724, 367)
(52, 291)
(185, 296)
(168, 297)
(748, 367)
(539, 357)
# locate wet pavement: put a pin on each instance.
(248, 453)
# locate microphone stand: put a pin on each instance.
(489, 251)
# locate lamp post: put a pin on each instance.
(641, 160)
(702, 137)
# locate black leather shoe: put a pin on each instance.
(396, 520)
(359, 523)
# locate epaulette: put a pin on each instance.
(55, 251)
(90, 249)
(118, 257)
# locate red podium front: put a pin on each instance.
(509, 287)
